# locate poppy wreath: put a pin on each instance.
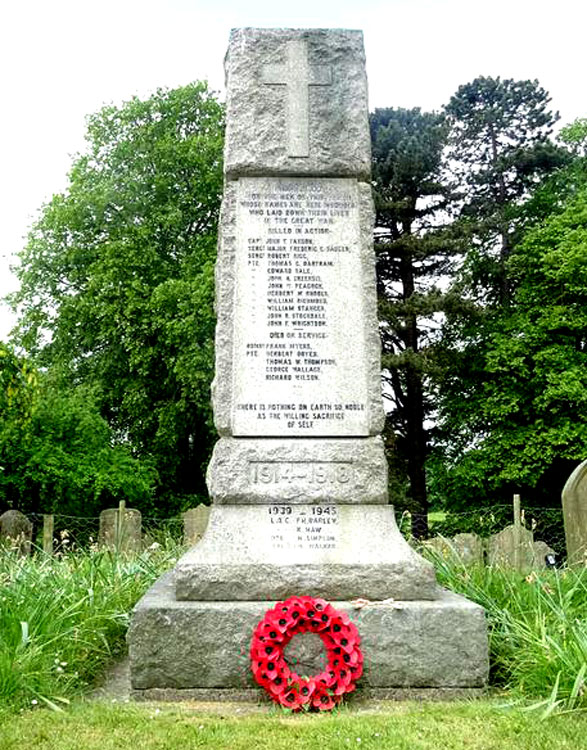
(305, 614)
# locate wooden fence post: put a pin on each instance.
(48, 525)
(119, 533)
(517, 532)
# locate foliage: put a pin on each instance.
(525, 427)
(412, 254)
(500, 149)
(56, 450)
(497, 433)
(117, 276)
(538, 629)
(63, 619)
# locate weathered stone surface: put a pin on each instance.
(508, 549)
(467, 548)
(120, 531)
(539, 551)
(575, 515)
(16, 531)
(351, 471)
(183, 645)
(264, 552)
(286, 336)
(195, 523)
(296, 103)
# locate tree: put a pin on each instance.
(412, 253)
(502, 155)
(500, 149)
(117, 278)
(56, 451)
(529, 427)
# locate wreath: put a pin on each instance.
(305, 614)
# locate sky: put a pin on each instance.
(61, 60)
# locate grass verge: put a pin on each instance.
(403, 726)
(537, 627)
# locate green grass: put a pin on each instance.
(538, 628)
(62, 619)
(403, 726)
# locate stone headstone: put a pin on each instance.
(512, 548)
(298, 479)
(195, 522)
(16, 531)
(468, 549)
(540, 551)
(575, 515)
(121, 530)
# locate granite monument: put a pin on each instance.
(298, 477)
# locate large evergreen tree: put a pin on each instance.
(117, 277)
(500, 148)
(509, 343)
(413, 252)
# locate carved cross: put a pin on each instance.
(297, 75)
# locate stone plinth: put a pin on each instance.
(185, 645)
(280, 470)
(296, 103)
(271, 552)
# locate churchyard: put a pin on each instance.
(293, 609)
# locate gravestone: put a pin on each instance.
(195, 522)
(468, 549)
(121, 530)
(298, 478)
(16, 531)
(575, 515)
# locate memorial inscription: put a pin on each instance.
(297, 264)
(308, 528)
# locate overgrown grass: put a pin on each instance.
(401, 726)
(62, 619)
(538, 629)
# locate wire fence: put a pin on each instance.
(81, 532)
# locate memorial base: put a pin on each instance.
(270, 552)
(181, 646)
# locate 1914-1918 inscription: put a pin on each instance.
(297, 339)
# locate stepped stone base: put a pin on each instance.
(270, 552)
(180, 646)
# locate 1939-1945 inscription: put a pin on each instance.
(297, 265)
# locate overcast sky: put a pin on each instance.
(63, 59)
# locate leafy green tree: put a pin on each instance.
(529, 425)
(56, 451)
(507, 166)
(412, 253)
(117, 278)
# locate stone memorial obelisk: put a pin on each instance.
(298, 478)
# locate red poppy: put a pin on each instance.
(324, 701)
(291, 699)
